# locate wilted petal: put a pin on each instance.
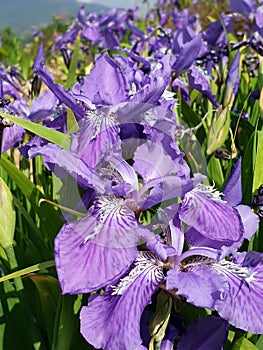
(206, 334)
(112, 320)
(200, 285)
(96, 250)
(242, 304)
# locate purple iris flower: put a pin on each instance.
(252, 12)
(106, 31)
(200, 274)
(200, 81)
(110, 231)
(187, 55)
(111, 109)
(232, 221)
(215, 35)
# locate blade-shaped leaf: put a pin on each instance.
(51, 135)
(258, 171)
(50, 218)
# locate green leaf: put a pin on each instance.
(73, 65)
(27, 270)
(49, 134)
(7, 216)
(48, 292)
(258, 170)
(248, 166)
(215, 172)
(50, 217)
(259, 343)
(14, 329)
(65, 323)
(218, 130)
(243, 344)
(72, 124)
(189, 115)
(34, 235)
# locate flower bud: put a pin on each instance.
(7, 216)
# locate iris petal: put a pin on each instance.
(211, 218)
(98, 133)
(242, 304)
(207, 333)
(97, 249)
(113, 321)
(59, 159)
(200, 285)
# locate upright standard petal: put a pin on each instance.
(96, 250)
(109, 88)
(151, 162)
(188, 54)
(233, 188)
(97, 134)
(112, 320)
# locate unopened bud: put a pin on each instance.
(7, 216)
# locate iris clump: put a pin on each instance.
(135, 163)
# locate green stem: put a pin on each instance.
(10, 253)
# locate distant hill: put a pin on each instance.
(23, 15)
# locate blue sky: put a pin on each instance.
(117, 3)
(21, 15)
